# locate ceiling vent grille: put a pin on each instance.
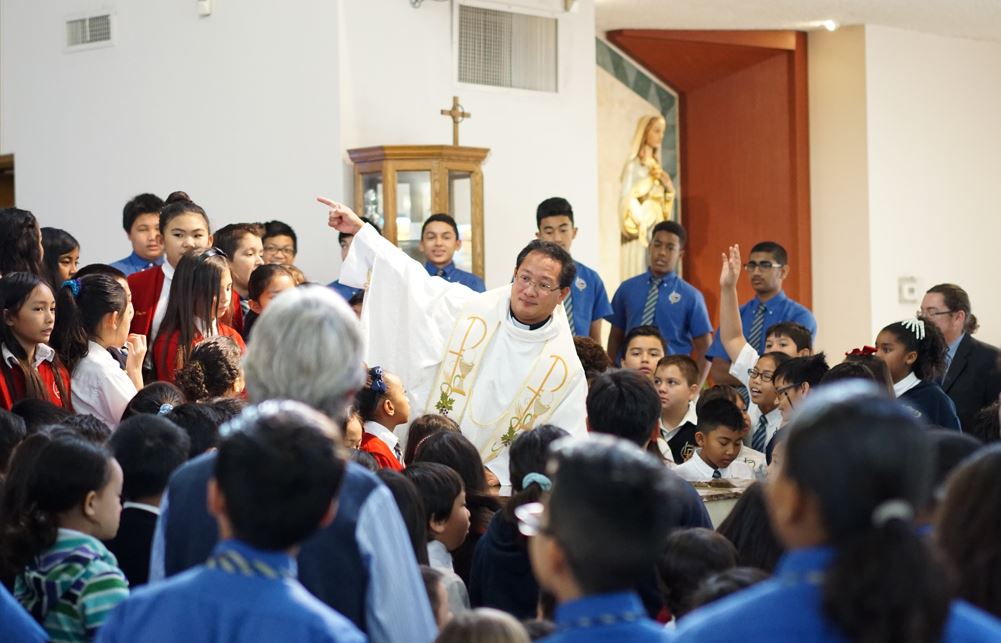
(506, 49)
(88, 31)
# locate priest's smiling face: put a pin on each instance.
(534, 302)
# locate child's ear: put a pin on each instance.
(388, 408)
(437, 527)
(254, 306)
(693, 390)
(89, 502)
(910, 358)
(700, 438)
(804, 352)
(458, 244)
(806, 387)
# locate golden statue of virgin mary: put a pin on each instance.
(647, 194)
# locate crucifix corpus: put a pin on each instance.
(458, 115)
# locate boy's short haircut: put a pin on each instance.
(228, 237)
(438, 486)
(643, 331)
(986, 425)
(803, 370)
(278, 471)
(672, 227)
(717, 392)
(720, 413)
(280, 229)
(443, 218)
(88, 427)
(691, 556)
(341, 236)
(149, 448)
(140, 204)
(12, 433)
(684, 363)
(799, 334)
(553, 207)
(201, 422)
(625, 404)
(38, 413)
(774, 249)
(610, 509)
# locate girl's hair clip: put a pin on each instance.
(73, 285)
(915, 325)
(537, 478)
(165, 409)
(377, 383)
(865, 350)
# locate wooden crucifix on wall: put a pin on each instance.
(458, 114)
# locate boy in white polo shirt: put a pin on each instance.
(719, 436)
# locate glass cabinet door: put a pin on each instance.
(372, 203)
(413, 206)
(460, 206)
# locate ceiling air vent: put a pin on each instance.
(506, 49)
(88, 31)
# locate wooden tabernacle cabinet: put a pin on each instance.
(400, 186)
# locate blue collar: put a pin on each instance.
(954, 346)
(670, 277)
(777, 299)
(800, 563)
(237, 557)
(433, 270)
(135, 258)
(601, 609)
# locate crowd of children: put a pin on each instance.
(159, 484)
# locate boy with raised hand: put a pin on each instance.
(439, 243)
(276, 481)
(597, 534)
(587, 304)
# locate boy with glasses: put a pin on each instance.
(280, 243)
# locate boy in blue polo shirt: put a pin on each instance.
(767, 267)
(587, 303)
(439, 243)
(662, 298)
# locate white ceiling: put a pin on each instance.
(979, 19)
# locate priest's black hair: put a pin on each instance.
(568, 269)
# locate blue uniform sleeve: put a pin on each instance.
(698, 316)
(617, 315)
(601, 308)
(805, 318)
(477, 284)
(717, 350)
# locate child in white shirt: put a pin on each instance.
(720, 436)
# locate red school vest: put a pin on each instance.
(146, 287)
(383, 455)
(166, 369)
(12, 385)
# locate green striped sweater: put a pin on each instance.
(72, 587)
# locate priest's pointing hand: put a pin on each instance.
(341, 217)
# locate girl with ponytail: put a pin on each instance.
(29, 368)
(95, 312)
(213, 370)
(856, 468)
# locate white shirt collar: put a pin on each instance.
(702, 466)
(141, 505)
(906, 384)
(100, 354)
(43, 353)
(690, 416)
(381, 432)
(438, 556)
(168, 271)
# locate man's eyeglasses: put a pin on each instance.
(529, 517)
(764, 376)
(931, 312)
(751, 266)
(285, 251)
(525, 281)
(784, 390)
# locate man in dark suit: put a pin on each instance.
(972, 378)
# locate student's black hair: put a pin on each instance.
(956, 300)
(438, 486)
(623, 403)
(372, 393)
(951, 448)
(262, 276)
(671, 227)
(883, 583)
(720, 413)
(55, 243)
(145, 203)
(212, 369)
(529, 453)
(99, 269)
(422, 428)
(968, 531)
(15, 288)
(873, 369)
(798, 333)
(20, 249)
(717, 392)
(278, 472)
(38, 414)
(194, 292)
(12, 433)
(228, 237)
(454, 450)
(605, 491)
(87, 427)
(748, 528)
(80, 306)
(442, 218)
(365, 459)
(151, 399)
(932, 349)
(986, 425)
(226, 408)
(341, 236)
(201, 422)
(47, 476)
(149, 448)
(176, 204)
(691, 556)
(810, 369)
(411, 507)
(555, 206)
(774, 249)
(568, 269)
(643, 331)
(725, 583)
(281, 229)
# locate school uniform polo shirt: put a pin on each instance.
(680, 313)
(452, 274)
(589, 300)
(344, 291)
(134, 263)
(777, 309)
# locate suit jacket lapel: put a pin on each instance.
(959, 361)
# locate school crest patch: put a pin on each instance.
(674, 297)
(580, 283)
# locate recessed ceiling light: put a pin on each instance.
(830, 25)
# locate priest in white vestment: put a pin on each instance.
(497, 363)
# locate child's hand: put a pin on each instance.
(730, 271)
(137, 352)
(341, 217)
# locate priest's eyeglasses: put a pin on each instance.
(543, 286)
(764, 266)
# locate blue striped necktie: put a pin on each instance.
(754, 337)
(650, 307)
(760, 434)
(568, 305)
